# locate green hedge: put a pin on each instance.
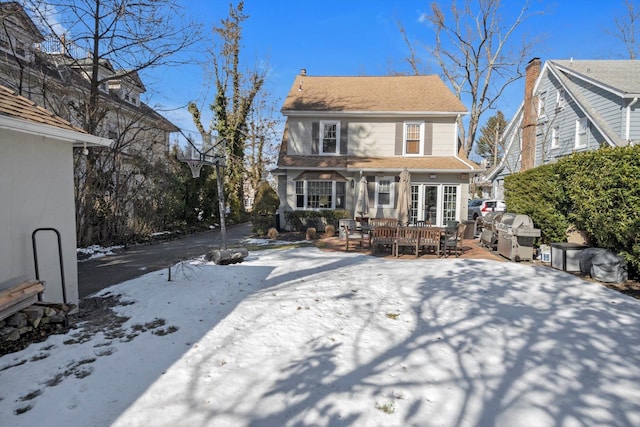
(603, 189)
(539, 193)
(597, 191)
(295, 218)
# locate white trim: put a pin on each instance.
(392, 196)
(420, 141)
(322, 124)
(581, 123)
(555, 137)
(75, 137)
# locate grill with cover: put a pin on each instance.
(489, 235)
(515, 237)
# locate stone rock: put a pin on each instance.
(17, 320)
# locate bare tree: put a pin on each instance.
(476, 54)
(235, 93)
(626, 28)
(263, 133)
(131, 35)
(98, 48)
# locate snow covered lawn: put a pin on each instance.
(303, 337)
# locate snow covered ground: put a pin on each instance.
(304, 337)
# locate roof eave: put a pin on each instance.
(324, 113)
(79, 139)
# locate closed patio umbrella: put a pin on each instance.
(362, 199)
(404, 197)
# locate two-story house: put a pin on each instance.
(570, 106)
(340, 129)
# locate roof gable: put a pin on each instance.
(424, 94)
(621, 77)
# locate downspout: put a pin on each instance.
(631, 104)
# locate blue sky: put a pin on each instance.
(361, 37)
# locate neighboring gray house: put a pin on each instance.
(36, 191)
(570, 106)
(340, 129)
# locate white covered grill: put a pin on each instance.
(515, 237)
(489, 235)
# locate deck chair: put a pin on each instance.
(430, 239)
(351, 234)
(408, 237)
(453, 238)
(450, 239)
(383, 236)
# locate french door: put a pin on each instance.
(437, 204)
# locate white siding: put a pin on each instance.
(299, 137)
(444, 143)
(36, 189)
(371, 139)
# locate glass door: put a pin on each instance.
(430, 204)
(424, 203)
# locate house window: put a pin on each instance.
(320, 194)
(329, 137)
(413, 138)
(560, 99)
(542, 99)
(581, 132)
(555, 137)
(384, 192)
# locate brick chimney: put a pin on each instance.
(530, 115)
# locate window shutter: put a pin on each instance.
(344, 136)
(315, 137)
(371, 187)
(428, 139)
(399, 138)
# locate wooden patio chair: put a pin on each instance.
(430, 239)
(384, 236)
(408, 237)
(351, 234)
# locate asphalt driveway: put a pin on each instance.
(97, 274)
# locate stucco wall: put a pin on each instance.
(36, 190)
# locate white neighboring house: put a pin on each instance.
(36, 191)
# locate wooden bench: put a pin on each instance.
(384, 236)
(19, 296)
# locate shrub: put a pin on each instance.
(598, 192)
(265, 205)
(539, 194)
(311, 233)
(298, 220)
(330, 230)
(272, 233)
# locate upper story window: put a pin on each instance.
(581, 132)
(560, 101)
(542, 99)
(384, 191)
(413, 138)
(329, 137)
(555, 137)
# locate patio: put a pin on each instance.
(471, 250)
